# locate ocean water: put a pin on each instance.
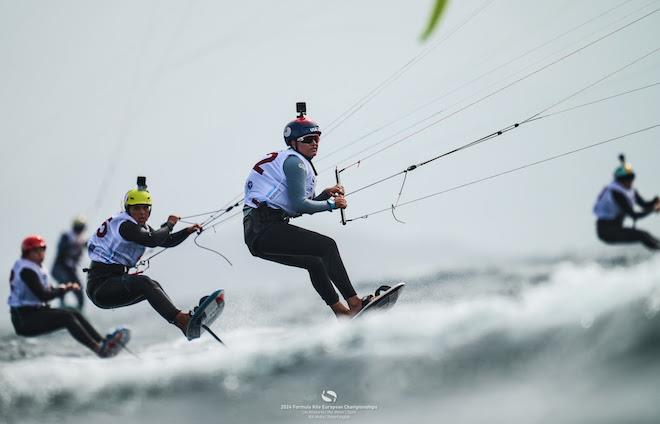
(549, 340)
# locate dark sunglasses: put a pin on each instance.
(309, 139)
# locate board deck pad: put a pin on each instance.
(209, 309)
(384, 300)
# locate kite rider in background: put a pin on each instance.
(31, 315)
(69, 252)
(617, 201)
(118, 245)
(281, 186)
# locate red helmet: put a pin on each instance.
(32, 242)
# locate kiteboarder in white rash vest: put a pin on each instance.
(32, 316)
(118, 245)
(281, 186)
(617, 201)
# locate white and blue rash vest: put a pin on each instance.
(606, 207)
(267, 183)
(20, 294)
(109, 247)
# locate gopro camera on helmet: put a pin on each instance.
(142, 183)
(301, 108)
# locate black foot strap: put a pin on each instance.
(382, 289)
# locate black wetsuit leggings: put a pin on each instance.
(287, 244)
(35, 321)
(614, 233)
(116, 291)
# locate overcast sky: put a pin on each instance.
(193, 93)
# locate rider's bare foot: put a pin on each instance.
(355, 304)
(340, 310)
(181, 321)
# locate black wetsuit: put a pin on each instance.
(37, 320)
(110, 286)
(269, 235)
(69, 251)
(613, 231)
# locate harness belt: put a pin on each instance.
(100, 267)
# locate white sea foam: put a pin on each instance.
(575, 296)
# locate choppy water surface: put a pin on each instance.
(550, 340)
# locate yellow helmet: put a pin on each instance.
(138, 196)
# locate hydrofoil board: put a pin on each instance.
(384, 298)
(209, 309)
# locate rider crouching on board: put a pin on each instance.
(28, 302)
(281, 186)
(118, 245)
(615, 202)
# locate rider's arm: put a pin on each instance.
(152, 238)
(627, 209)
(323, 196)
(643, 203)
(296, 176)
(32, 281)
(145, 236)
(177, 238)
